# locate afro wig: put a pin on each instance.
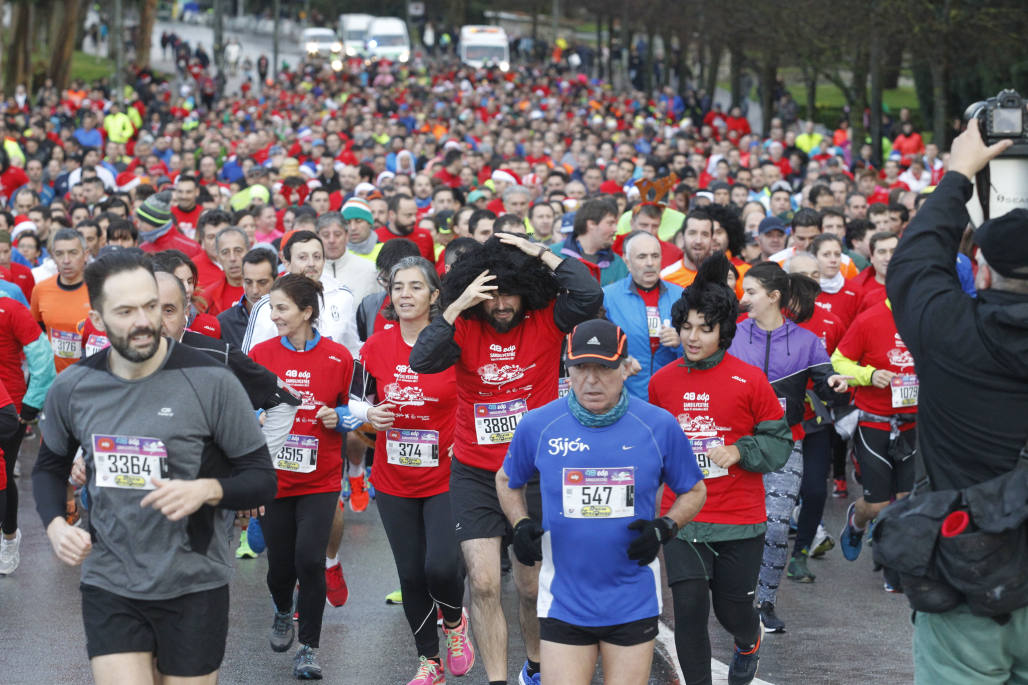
(710, 295)
(516, 274)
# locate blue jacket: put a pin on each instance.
(788, 356)
(625, 308)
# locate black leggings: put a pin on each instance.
(817, 458)
(421, 535)
(839, 447)
(731, 568)
(296, 530)
(11, 433)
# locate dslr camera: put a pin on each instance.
(1003, 184)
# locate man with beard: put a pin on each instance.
(697, 243)
(175, 462)
(403, 218)
(509, 304)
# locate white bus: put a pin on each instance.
(353, 30)
(484, 46)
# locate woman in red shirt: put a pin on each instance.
(309, 466)
(411, 471)
(737, 429)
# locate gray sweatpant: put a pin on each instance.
(781, 489)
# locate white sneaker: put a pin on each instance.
(17, 469)
(9, 554)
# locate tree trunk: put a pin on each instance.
(648, 64)
(610, 48)
(939, 123)
(712, 68)
(598, 61)
(810, 85)
(63, 46)
(858, 101)
(735, 58)
(875, 119)
(19, 58)
(768, 80)
(144, 36)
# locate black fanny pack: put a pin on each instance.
(961, 546)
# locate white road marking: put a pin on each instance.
(666, 643)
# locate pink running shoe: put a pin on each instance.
(460, 653)
(429, 673)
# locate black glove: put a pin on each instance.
(528, 546)
(29, 414)
(652, 534)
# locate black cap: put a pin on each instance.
(1004, 243)
(772, 223)
(596, 341)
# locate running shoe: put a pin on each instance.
(797, 569)
(394, 597)
(17, 469)
(344, 493)
(768, 619)
(460, 653)
(244, 551)
(743, 668)
(823, 543)
(840, 489)
(10, 556)
(525, 679)
(282, 631)
(336, 592)
(794, 520)
(851, 539)
(358, 494)
(255, 535)
(304, 665)
(891, 582)
(367, 479)
(430, 672)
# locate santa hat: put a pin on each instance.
(363, 188)
(506, 175)
(126, 181)
(610, 188)
(384, 176)
(22, 224)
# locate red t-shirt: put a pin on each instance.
(17, 329)
(93, 340)
(322, 377)
(872, 340)
(412, 458)
(499, 377)
(843, 304)
(719, 405)
(870, 294)
(207, 272)
(186, 221)
(21, 276)
(173, 240)
(421, 237)
(221, 296)
(650, 300)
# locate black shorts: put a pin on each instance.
(476, 506)
(622, 635)
(186, 634)
(886, 468)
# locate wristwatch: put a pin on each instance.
(670, 528)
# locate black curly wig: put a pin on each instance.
(710, 295)
(516, 274)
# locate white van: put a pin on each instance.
(484, 46)
(353, 30)
(388, 39)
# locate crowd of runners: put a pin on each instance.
(550, 328)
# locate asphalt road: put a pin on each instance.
(841, 629)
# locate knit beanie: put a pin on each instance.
(358, 208)
(154, 216)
